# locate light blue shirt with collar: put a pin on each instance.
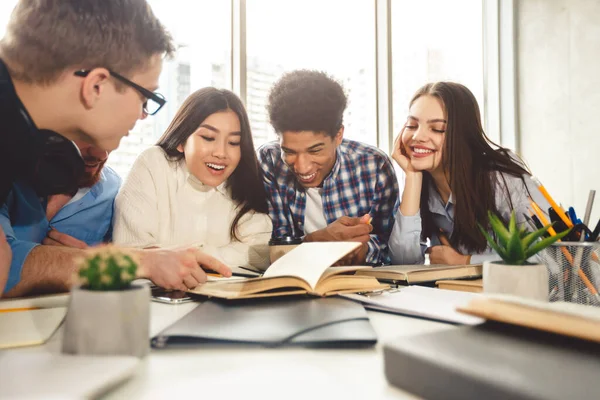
(87, 217)
(406, 246)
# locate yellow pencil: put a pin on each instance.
(540, 214)
(553, 203)
(18, 309)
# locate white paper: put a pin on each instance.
(423, 302)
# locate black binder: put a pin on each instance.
(494, 361)
(281, 321)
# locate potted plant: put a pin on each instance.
(515, 274)
(107, 314)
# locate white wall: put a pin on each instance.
(558, 58)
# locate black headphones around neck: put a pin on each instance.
(51, 163)
(58, 165)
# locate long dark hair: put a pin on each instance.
(245, 182)
(471, 160)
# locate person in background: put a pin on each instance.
(34, 225)
(89, 81)
(321, 186)
(200, 185)
(454, 175)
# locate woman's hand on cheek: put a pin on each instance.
(447, 255)
(399, 154)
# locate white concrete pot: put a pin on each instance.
(108, 322)
(530, 281)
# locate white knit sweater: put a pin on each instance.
(162, 204)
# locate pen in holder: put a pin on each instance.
(574, 271)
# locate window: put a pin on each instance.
(6, 7)
(202, 32)
(430, 40)
(335, 36)
(434, 40)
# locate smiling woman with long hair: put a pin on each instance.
(454, 175)
(200, 185)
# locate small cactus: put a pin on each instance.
(107, 268)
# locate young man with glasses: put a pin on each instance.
(81, 70)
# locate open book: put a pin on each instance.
(562, 318)
(305, 269)
(410, 274)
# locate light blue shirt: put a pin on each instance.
(88, 218)
(405, 242)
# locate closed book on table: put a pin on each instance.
(412, 274)
(494, 361)
(285, 321)
(461, 285)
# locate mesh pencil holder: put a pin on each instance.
(574, 271)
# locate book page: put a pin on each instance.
(29, 328)
(309, 260)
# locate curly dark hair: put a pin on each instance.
(305, 100)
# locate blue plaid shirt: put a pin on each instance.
(361, 182)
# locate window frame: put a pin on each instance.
(499, 69)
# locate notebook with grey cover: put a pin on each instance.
(494, 361)
(272, 322)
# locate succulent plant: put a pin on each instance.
(107, 268)
(515, 245)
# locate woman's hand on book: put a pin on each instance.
(447, 255)
(179, 269)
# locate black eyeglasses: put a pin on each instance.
(154, 101)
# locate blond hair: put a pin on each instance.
(46, 37)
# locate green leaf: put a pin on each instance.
(512, 225)
(542, 244)
(492, 243)
(523, 232)
(514, 249)
(530, 238)
(499, 229)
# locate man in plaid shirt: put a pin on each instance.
(320, 185)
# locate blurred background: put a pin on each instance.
(532, 64)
